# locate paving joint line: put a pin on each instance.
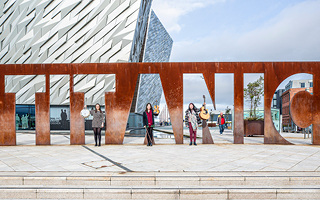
(303, 160)
(108, 159)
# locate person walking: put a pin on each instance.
(97, 123)
(221, 122)
(148, 123)
(192, 121)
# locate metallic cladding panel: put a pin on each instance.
(64, 31)
(158, 49)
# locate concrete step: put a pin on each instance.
(82, 185)
(38, 192)
(163, 179)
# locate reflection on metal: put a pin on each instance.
(118, 103)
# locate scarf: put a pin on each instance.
(193, 118)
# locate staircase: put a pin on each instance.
(160, 185)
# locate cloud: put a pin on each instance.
(292, 35)
(170, 11)
(194, 88)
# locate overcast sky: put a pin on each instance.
(238, 30)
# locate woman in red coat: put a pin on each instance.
(148, 122)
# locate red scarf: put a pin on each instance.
(149, 115)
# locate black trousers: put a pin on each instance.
(97, 135)
(149, 134)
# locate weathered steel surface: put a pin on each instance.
(305, 107)
(42, 105)
(118, 103)
(316, 103)
(77, 132)
(171, 74)
(206, 135)
(253, 127)
(172, 83)
(238, 106)
(274, 74)
(8, 125)
(301, 109)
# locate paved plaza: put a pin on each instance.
(164, 171)
(163, 135)
(164, 156)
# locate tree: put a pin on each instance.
(253, 93)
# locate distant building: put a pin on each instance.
(293, 87)
(277, 100)
(299, 84)
(64, 31)
(164, 115)
(286, 100)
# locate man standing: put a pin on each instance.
(221, 122)
(65, 117)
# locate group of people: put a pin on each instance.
(192, 121)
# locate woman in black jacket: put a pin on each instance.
(192, 121)
(148, 122)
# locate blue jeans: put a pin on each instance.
(221, 127)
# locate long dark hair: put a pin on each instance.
(150, 107)
(192, 108)
(96, 108)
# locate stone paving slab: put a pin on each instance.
(227, 136)
(163, 158)
(63, 138)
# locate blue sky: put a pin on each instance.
(233, 15)
(240, 30)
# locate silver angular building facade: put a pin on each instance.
(64, 31)
(79, 31)
(157, 49)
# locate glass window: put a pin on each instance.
(59, 117)
(25, 117)
(303, 85)
(311, 84)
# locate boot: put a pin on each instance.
(195, 144)
(190, 144)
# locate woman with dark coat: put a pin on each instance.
(97, 123)
(192, 121)
(148, 123)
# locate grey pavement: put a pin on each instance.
(62, 137)
(164, 171)
(165, 156)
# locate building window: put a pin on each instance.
(311, 84)
(25, 117)
(303, 85)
